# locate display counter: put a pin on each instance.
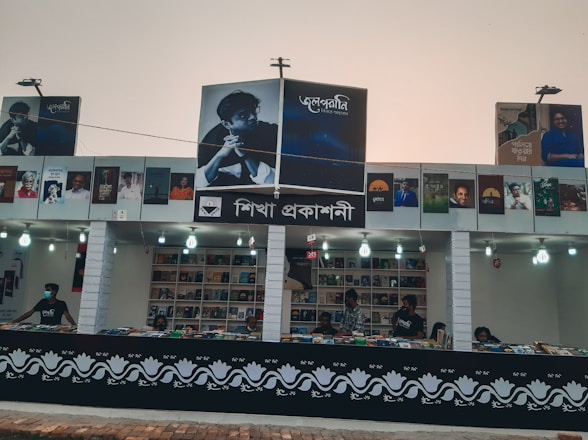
(351, 382)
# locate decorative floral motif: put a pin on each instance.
(254, 371)
(574, 390)
(466, 385)
(51, 360)
(394, 380)
(117, 364)
(323, 375)
(359, 377)
(83, 362)
(539, 389)
(151, 366)
(502, 387)
(219, 369)
(290, 374)
(185, 367)
(18, 357)
(430, 382)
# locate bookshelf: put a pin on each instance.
(207, 289)
(380, 281)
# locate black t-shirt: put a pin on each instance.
(326, 331)
(51, 313)
(408, 325)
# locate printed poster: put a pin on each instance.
(380, 196)
(406, 192)
(156, 186)
(105, 185)
(130, 186)
(519, 195)
(572, 196)
(490, 194)
(7, 184)
(53, 185)
(27, 185)
(435, 193)
(78, 276)
(182, 186)
(547, 197)
(462, 193)
(78, 185)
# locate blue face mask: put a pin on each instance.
(47, 294)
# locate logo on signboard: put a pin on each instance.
(64, 107)
(337, 105)
(210, 206)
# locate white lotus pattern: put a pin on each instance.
(284, 380)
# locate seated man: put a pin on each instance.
(250, 325)
(325, 328)
(405, 322)
(17, 135)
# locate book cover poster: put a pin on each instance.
(78, 185)
(105, 185)
(519, 195)
(7, 184)
(490, 194)
(9, 282)
(80, 266)
(46, 126)
(539, 134)
(547, 197)
(182, 186)
(130, 186)
(298, 270)
(27, 185)
(323, 136)
(238, 134)
(406, 192)
(462, 193)
(1, 290)
(380, 195)
(572, 197)
(53, 185)
(156, 186)
(435, 193)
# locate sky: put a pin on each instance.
(434, 70)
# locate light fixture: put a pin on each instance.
(535, 262)
(399, 248)
(191, 242)
(364, 249)
(83, 235)
(185, 251)
(51, 246)
(325, 244)
(240, 240)
(572, 250)
(277, 193)
(488, 249)
(327, 256)
(25, 238)
(546, 90)
(114, 249)
(253, 252)
(161, 238)
(542, 255)
(397, 256)
(31, 82)
(4, 233)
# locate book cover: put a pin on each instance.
(376, 317)
(183, 277)
(252, 278)
(217, 277)
(338, 316)
(322, 280)
(179, 312)
(364, 298)
(237, 260)
(365, 280)
(206, 312)
(199, 276)
(188, 311)
(196, 312)
(233, 312)
(260, 296)
(153, 310)
(365, 263)
(295, 315)
(156, 275)
(349, 280)
(376, 281)
(244, 278)
(351, 263)
(339, 262)
(222, 313)
(234, 296)
(225, 277)
(312, 297)
(170, 311)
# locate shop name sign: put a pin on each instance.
(348, 211)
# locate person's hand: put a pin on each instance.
(232, 143)
(14, 133)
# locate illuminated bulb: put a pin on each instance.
(253, 252)
(82, 237)
(399, 248)
(364, 249)
(488, 250)
(325, 245)
(185, 251)
(25, 239)
(114, 248)
(191, 242)
(572, 250)
(327, 256)
(535, 260)
(542, 256)
(398, 256)
(161, 238)
(4, 233)
(51, 247)
(239, 240)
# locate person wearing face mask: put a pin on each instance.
(251, 324)
(160, 323)
(50, 308)
(353, 317)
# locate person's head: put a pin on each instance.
(160, 322)
(238, 112)
(78, 182)
(351, 298)
(251, 322)
(52, 288)
(409, 301)
(405, 186)
(560, 120)
(28, 180)
(515, 189)
(437, 326)
(19, 113)
(128, 178)
(482, 334)
(461, 193)
(183, 181)
(325, 319)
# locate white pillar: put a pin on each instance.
(459, 295)
(274, 283)
(97, 278)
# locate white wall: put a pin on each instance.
(572, 298)
(518, 302)
(436, 298)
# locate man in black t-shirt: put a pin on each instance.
(405, 322)
(50, 308)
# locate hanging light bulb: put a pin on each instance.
(327, 256)
(114, 250)
(240, 240)
(325, 244)
(397, 256)
(83, 236)
(253, 252)
(535, 262)
(185, 251)
(191, 242)
(399, 248)
(488, 249)
(161, 238)
(364, 249)
(25, 238)
(4, 233)
(572, 250)
(51, 247)
(542, 255)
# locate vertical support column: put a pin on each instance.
(459, 295)
(97, 278)
(274, 283)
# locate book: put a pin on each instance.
(365, 280)
(170, 311)
(225, 277)
(351, 263)
(375, 263)
(233, 312)
(294, 315)
(349, 280)
(199, 276)
(217, 277)
(376, 281)
(339, 262)
(183, 277)
(252, 278)
(156, 275)
(153, 310)
(260, 296)
(196, 313)
(364, 298)
(244, 278)
(376, 317)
